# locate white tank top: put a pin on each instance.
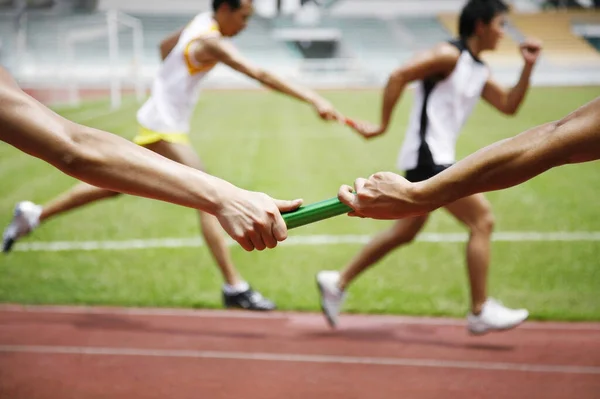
(175, 89)
(440, 109)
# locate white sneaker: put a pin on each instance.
(332, 297)
(495, 317)
(26, 218)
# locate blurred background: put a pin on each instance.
(55, 45)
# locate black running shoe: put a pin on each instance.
(249, 300)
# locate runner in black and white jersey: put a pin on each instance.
(451, 78)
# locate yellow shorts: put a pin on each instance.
(146, 136)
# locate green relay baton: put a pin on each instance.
(315, 212)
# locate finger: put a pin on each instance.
(279, 228)
(359, 184)
(257, 241)
(245, 243)
(287, 206)
(355, 214)
(268, 237)
(346, 196)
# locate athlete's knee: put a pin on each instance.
(401, 235)
(484, 223)
(403, 239)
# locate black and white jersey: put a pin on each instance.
(441, 107)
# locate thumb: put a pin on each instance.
(287, 206)
(346, 196)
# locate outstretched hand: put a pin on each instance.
(384, 195)
(254, 219)
(327, 111)
(366, 129)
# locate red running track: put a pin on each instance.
(80, 352)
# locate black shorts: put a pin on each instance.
(421, 173)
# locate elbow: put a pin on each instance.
(544, 134)
(163, 51)
(510, 110)
(75, 160)
(79, 155)
(397, 77)
(165, 48)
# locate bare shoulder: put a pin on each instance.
(439, 60)
(215, 48)
(446, 52)
(209, 41)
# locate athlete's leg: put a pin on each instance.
(400, 233)
(27, 215)
(332, 284)
(214, 237)
(211, 229)
(476, 213)
(486, 313)
(80, 195)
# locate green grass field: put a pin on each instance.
(266, 142)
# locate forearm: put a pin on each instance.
(277, 84)
(575, 138)
(100, 158)
(391, 94)
(500, 165)
(516, 95)
(106, 160)
(111, 162)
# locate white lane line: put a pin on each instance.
(308, 240)
(300, 358)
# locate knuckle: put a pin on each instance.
(260, 223)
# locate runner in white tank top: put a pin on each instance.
(451, 79)
(189, 56)
(176, 86)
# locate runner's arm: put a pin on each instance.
(227, 54)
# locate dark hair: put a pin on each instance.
(478, 10)
(233, 4)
